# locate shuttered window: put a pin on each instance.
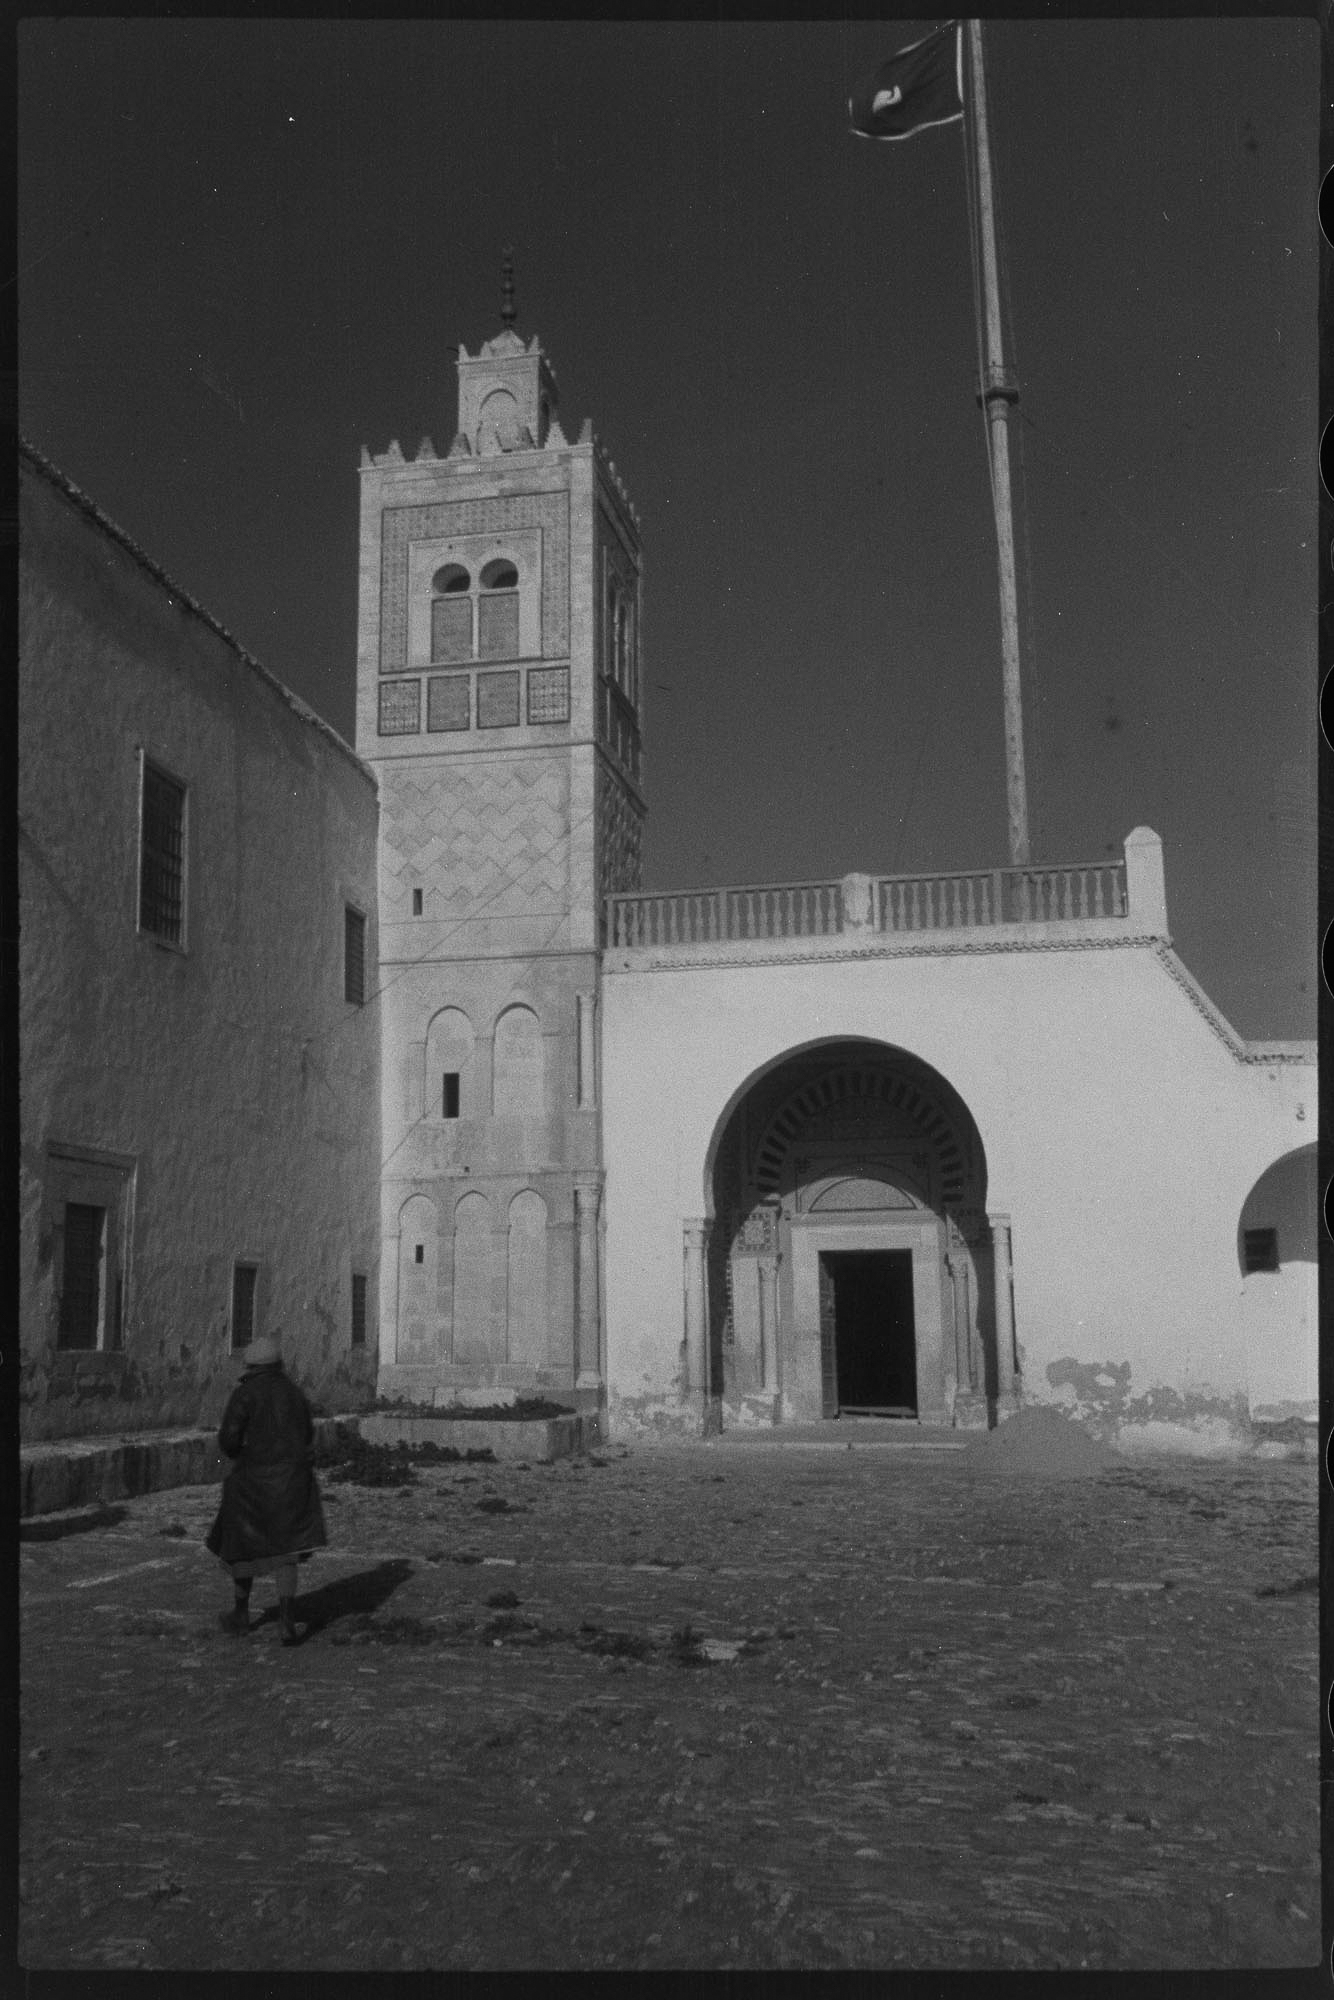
(81, 1275)
(354, 957)
(498, 626)
(243, 1304)
(162, 857)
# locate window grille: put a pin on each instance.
(243, 1304)
(448, 703)
(451, 628)
(400, 708)
(358, 1309)
(498, 626)
(81, 1277)
(162, 857)
(549, 694)
(497, 700)
(354, 957)
(1259, 1250)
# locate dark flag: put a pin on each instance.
(922, 85)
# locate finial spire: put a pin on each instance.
(507, 312)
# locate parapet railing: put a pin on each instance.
(887, 904)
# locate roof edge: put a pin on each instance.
(66, 486)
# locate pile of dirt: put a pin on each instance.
(527, 1410)
(361, 1463)
(1042, 1443)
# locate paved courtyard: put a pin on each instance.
(729, 1704)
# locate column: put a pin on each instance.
(1006, 1395)
(773, 1366)
(587, 1319)
(963, 1368)
(695, 1373)
(586, 1005)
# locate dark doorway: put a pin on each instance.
(868, 1332)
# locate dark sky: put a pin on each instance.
(248, 247)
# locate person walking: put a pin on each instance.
(270, 1517)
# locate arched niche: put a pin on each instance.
(519, 1079)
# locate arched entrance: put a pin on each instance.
(851, 1264)
(1278, 1260)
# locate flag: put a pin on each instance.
(922, 85)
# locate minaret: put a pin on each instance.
(498, 702)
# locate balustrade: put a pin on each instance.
(965, 900)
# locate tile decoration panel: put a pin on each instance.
(448, 702)
(400, 708)
(494, 837)
(548, 694)
(620, 838)
(498, 700)
(445, 518)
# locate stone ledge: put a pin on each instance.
(80, 1472)
(541, 1438)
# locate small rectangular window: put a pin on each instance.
(448, 702)
(162, 856)
(1259, 1250)
(243, 1304)
(498, 626)
(449, 1107)
(400, 708)
(421, 1253)
(416, 902)
(354, 957)
(81, 1275)
(497, 701)
(358, 1309)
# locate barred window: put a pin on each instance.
(451, 628)
(244, 1278)
(498, 626)
(354, 956)
(549, 694)
(162, 856)
(358, 1308)
(448, 702)
(497, 700)
(400, 708)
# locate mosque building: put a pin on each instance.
(393, 1048)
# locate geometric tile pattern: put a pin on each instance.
(494, 834)
(620, 837)
(401, 525)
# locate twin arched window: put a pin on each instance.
(475, 618)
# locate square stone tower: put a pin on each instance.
(498, 701)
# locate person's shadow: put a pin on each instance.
(346, 1596)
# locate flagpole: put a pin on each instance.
(998, 395)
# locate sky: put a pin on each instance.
(249, 248)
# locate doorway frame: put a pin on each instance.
(918, 1231)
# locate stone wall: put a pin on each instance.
(222, 1097)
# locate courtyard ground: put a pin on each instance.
(730, 1704)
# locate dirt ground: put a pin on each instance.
(730, 1704)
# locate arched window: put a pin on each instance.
(449, 1066)
(475, 618)
(451, 613)
(498, 612)
(418, 1280)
